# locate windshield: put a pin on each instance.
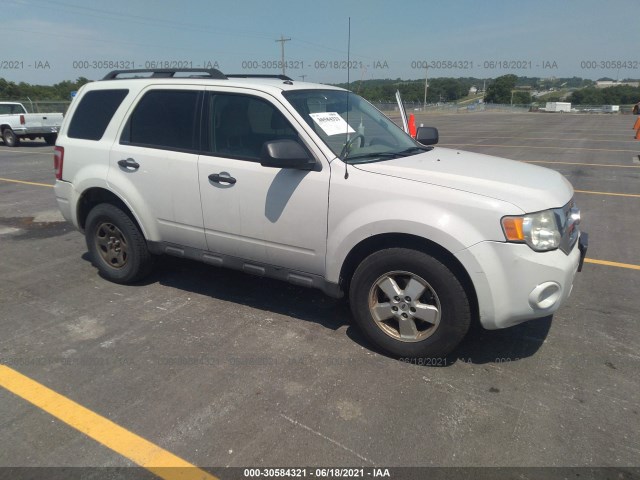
(352, 128)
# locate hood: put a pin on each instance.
(529, 187)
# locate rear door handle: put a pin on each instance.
(217, 178)
(129, 164)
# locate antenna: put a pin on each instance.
(348, 57)
(346, 164)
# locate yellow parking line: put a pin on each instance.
(482, 137)
(26, 183)
(609, 193)
(583, 164)
(146, 454)
(534, 146)
(459, 133)
(612, 264)
(577, 191)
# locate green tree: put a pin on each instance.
(499, 91)
(23, 90)
(618, 95)
(521, 98)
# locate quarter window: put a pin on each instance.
(91, 118)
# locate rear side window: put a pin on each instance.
(94, 113)
(166, 119)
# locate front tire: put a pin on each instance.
(10, 138)
(116, 245)
(409, 303)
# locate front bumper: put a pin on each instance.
(583, 245)
(514, 283)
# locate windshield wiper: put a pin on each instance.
(385, 155)
(372, 155)
(415, 149)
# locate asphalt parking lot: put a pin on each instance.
(220, 369)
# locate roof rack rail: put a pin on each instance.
(168, 73)
(257, 75)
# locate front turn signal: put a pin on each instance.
(513, 228)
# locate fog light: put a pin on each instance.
(544, 296)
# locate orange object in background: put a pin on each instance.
(412, 125)
(636, 125)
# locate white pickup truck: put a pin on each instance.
(16, 123)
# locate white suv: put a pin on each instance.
(312, 185)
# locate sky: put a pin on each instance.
(48, 41)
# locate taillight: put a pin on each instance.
(21, 119)
(58, 158)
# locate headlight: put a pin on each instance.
(538, 230)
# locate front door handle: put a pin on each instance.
(217, 178)
(129, 164)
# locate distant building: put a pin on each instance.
(613, 83)
(473, 90)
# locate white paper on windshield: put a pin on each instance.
(331, 123)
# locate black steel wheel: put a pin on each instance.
(117, 247)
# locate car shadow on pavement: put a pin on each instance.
(253, 291)
(505, 345)
(27, 144)
(480, 346)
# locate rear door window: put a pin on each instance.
(165, 119)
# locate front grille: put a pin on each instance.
(568, 218)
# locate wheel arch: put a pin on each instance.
(97, 195)
(4, 128)
(382, 241)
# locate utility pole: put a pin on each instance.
(426, 75)
(282, 40)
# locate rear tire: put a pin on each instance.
(117, 247)
(10, 138)
(410, 304)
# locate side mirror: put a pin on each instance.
(285, 154)
(427, 135)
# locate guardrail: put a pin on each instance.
(42, 106)
(50, 106)
(391, 107)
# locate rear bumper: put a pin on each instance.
(37, 131)
(64, 195)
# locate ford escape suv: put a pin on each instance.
(312, 185)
